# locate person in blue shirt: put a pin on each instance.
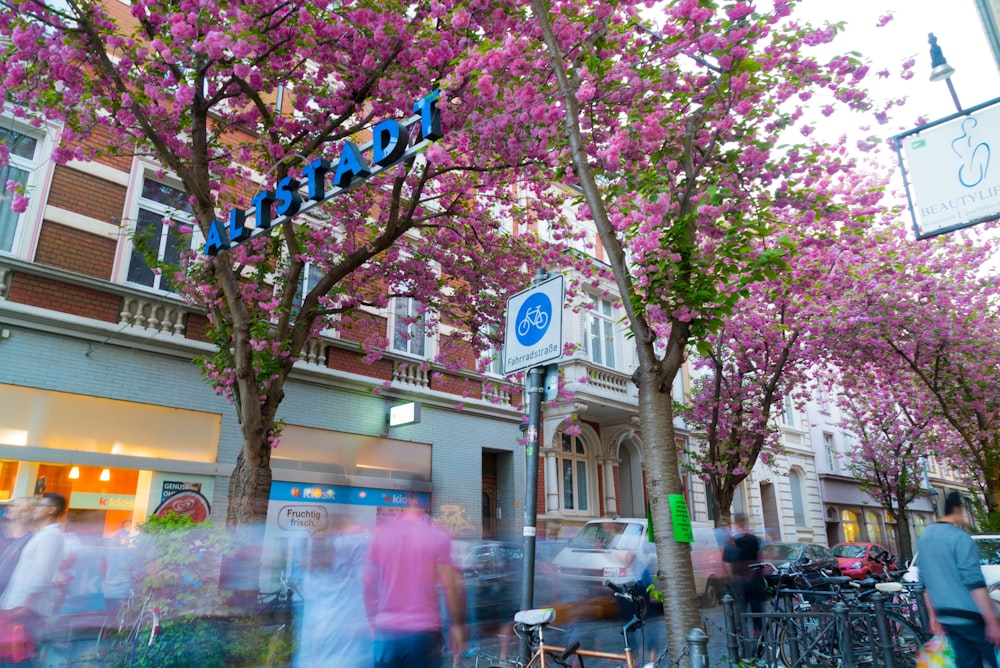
(958, 600)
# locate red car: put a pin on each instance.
(859, 560)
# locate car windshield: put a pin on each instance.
(608, 536)
(779, 552)
(989, 551)
(850, 551)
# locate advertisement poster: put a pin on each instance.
(184, 496)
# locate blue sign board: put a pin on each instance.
(533, 336)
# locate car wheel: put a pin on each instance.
(710, 598)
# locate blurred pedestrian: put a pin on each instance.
(333, 632)
(17, 530)
(748, 583)
(409, 560)
(960, 604)
(32, 596)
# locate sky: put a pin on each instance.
(960, 34)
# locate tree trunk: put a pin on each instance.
(249, 492)
(903, 536)
(675, 579)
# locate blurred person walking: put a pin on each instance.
(17, 530)
(32, 595)
(333, 632)
(960, 604)
(748, 584)
(409, 560)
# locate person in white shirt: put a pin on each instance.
(31, 591)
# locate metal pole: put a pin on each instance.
(697, 648)
(732, 637)
(925, 619)
(954, 95)
(841, 616)
(885, 643)
(534, 390)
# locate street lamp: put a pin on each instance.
(941, 70)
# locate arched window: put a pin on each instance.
(573, 465)
(798, 497)
(874, 527)
(852, 529)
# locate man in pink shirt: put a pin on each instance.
(409, 559)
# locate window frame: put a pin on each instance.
(142, 170)
(427, 338)
(798, 498)
(587, 460)
(39, 180)
(593, 315)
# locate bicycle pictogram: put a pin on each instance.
(535, 317)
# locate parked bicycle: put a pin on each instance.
(274, 608)
(817, 619)
(534, 623)
(128, 632)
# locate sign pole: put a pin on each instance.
(535, 389)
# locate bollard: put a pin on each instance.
(697, 648)
(841, 616)
(885, 643)
(732, 638)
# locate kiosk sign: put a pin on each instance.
(533, 335)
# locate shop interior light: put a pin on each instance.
(105, 475)
(74, 473)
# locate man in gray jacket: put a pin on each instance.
(960, 604)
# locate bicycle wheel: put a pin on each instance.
(906, 640)
(142, 635)
(807, 642)
(110, 637)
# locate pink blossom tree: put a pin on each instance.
(672, 132)
(924, 313)
(755, 360)
(895, 429)
(240, 103)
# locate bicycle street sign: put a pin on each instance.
(533, 335)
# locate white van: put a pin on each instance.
(619, 550)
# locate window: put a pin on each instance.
(408, 333)
(601, 332)
(491, 355)
(788, 417)
(738, 506)
(24, 153)
(831, 452)
(798, 502)
(573, 465)
(162, 208)
(852, 529)
(874, 527)
(311, 275)
(710, 500)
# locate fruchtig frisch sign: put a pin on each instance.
(390, 145)
(951, 170)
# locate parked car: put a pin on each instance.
(619, 550)
(492, 575)
(860, 560)
(609, 549)
(809, 558)
(989, 560)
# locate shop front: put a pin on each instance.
(852, 516)
(115, 462)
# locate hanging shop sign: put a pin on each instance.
(390, 145)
